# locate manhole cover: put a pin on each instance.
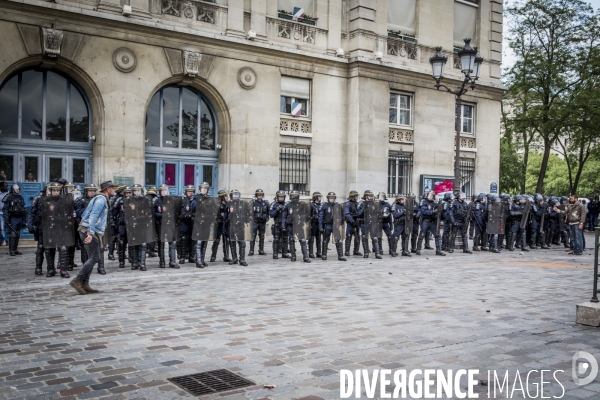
(219, 380)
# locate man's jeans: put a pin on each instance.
(576, 238)
(2, 233)
(93, 251)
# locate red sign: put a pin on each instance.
(443, 186)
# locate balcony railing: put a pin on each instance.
(401, 136)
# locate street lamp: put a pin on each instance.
(470, 62)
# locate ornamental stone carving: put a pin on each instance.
(247, 78)
(191, 62)
(124, 59)
(51, 41)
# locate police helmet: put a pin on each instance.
(189, 188)
(382, 196)
(481, 197)
(400, 197)
(222, 193)
(15, 187)
(430, 193)
(90, 187)
(352, 193)
(204, 185)
(137, 189)
(151, 191)
(368, 193)
(563, 198)
(280, 193)
(235, 194)
(52, 185)
(294, 195)
(447, 196)
(316, 194)
(331, 195)
(259, 192)
(538, 198)
(163, 188)
(518, 198)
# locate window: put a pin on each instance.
(467, 177)
(465, 22)
(399, 174)
(151, 177)
(43, 105)
(401, 109)
(294, 169)
(31, 169)
(188, 121)
(467, 119)
(6, 168)
(401, 16)
(288, 5)
(295, 96)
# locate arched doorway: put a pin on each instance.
(45, 130)
(181, 139)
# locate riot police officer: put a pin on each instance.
(459, 220)
(34, 225)
(414, 235)
(119, 218)
(315, 234)
(112, 217)
(387, 224)
(56, 189)
(260, 216)
(538, 209)
(201, 246)
(368, 196)
(14, 212)
(163, 191)
(139, 250)
(448, 222)
(280, 240)
(287, 224)
(151, 247)
(429, 224)
(235, 244)
(479, 212)
(516, 214)
(222, 230)
(506, 201)
(493, 238)
(352, 215)
(400, 232)
(185, 247)
(326, 214)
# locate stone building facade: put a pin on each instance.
(237, 93)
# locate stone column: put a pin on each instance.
(235, 17)
(258, 20)
(334, 24)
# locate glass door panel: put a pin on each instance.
(189, 175)
(170, 174)
(6, 168)
(151, 177)
(31, 169)
(78, 170)
(55, 168)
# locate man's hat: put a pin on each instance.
(105, 185)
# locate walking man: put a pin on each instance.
(91, 231)
(575, 218)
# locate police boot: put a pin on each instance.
(466, 246)
(292, 244)
(419, 244)
(348, 243)
(39, 259)
(427, 241)
(451, 241)
(285, 247)
(62, 262)
(181, 250)
(438, 247)
(340, 252)
(324, 245)
(135, 255)
(543, 242)
(161, 255)
(100, 268)
(252, 243)
(523, 243)
(357, 241)
(213, 252)
(70, 258)
(392, 245)
(365, 243)
(510, 241)
(226, 247)
(12, 244)
(143, 248)
(150, 250)
(533, 244)
(318, 245)
(84, 255)
(129, 255)
(494, 246)
(199, 255)
(376, 248)
(476, 243)
(311, 245)
(204, 245)
(234, 258)
(111, 249)
(413, 243)
(484, 242)
(275, 247)
(261, 245)
(243, 253)
(50, 253)
(405, 251)
(173, 255)
(304, 249)
(121, 254)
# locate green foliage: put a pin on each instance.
(511, 167)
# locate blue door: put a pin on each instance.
(178, 174)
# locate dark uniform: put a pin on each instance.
(118, 216)
(112, 217)
(538, 208)
(186, 248)
(222, 230)
(56, 189)
(429, 224)
(280, 240)
(367, 197)
(201, 245)
(139, 250)
(448, 222)
(172, 246)
(479, 220)
(235, 244)
(288, 228)
(353, 215)
(315, 234)
(34, 225)
(151, 194)
(516, 214)
(325, 220)
(400, 232)
(387, 224)
(15, 215)
(458, 219)
(260, 216)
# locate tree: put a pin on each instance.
(555, 42)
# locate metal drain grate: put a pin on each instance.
(219, 380)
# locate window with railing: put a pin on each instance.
(294, 170)
(400, 168)
(467, 177)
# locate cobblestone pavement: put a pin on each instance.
(293, 325)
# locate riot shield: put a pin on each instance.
(410, 212)
(561, 218)
(169, 223)
(469, 215)
(338, 222)
(205, 219)
(107, 237)
(372, 216)
(301, 219)
(543, 219)
(440, 210)
(57, 221)
(525, 216)
(240, 219)
(139, 220)
(496, 219)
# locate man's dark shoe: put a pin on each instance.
(75, 284)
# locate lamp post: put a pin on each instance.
(470, 61)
